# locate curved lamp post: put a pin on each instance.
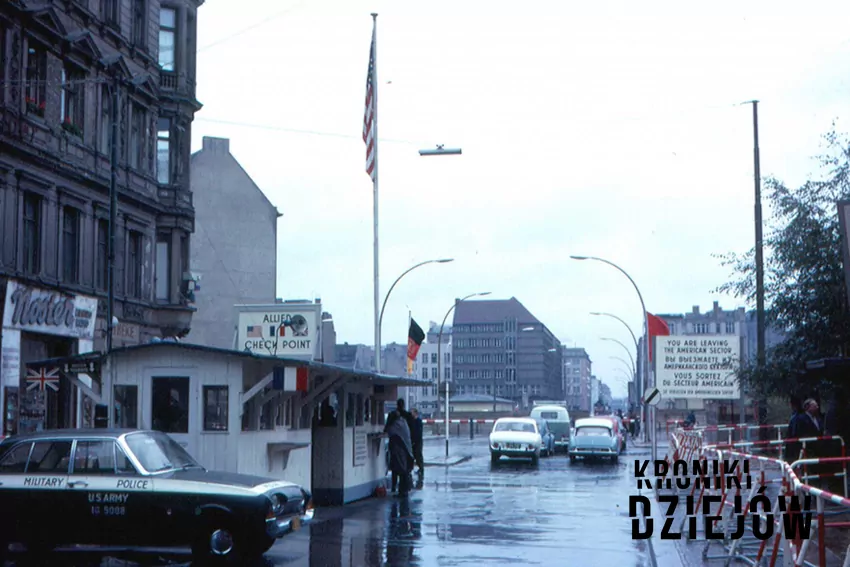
(386, 297)
(631, 358)
(440, 362)
(632, 333)
(649, 424)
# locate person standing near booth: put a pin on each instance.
(416, 439)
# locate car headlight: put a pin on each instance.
(276, 504)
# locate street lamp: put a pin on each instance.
(381, 316)
(441, 150)
(632, 333)
(634, 368)
(440, 361)
(649, 424)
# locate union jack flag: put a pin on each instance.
(43, 378)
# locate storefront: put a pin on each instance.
(38, 324)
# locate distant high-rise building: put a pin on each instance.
(577, 371)
(500, 349)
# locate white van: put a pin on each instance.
(558, 419)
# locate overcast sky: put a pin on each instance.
(611, 129)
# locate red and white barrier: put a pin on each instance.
(456, 421)
(776, 477)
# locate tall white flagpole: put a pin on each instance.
(375, 192)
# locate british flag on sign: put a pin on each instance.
(43, 378)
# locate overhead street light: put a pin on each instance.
(386, 297)
(649, 424)
(441, 150)
(634, 368)
(440, 361)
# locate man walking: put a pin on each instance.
(416, 438)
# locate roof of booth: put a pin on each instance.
(275, 360)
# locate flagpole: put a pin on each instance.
(375, 195)
(410, 364)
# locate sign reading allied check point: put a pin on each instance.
(652, 396)
(698, 367)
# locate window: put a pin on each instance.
(36, 87)
(102, 263)
(167, 33)
(32, 233)
(730, 328)
(134, 264)
(140, 21)
(15, 461)
(447, 358)
(499, 374)
(70, 244)
(433, 358)
(50, 457)
(163, 267)
(72, 101)
(215, 408)
(424, 358)
(94, 457)
(424, 373)
(110, 12)
(170, 407)
(163, 151)
(434, 373)
(700, 328)
(138, 119)
(105, 138)
(126, 407)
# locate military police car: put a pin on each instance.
(137, 489)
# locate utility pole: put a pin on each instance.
(761, 357)
(113, 213)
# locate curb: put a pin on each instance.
(452, 461)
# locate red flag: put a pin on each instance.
(657, 328)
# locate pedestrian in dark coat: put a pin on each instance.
(401, 453)
(416, 438)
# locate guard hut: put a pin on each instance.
(308, 422)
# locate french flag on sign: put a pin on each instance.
(291, 379)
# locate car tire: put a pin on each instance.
(494, 458)
(535, 459)
(572, 459)
(615, 459)
(265, 544)
(221, 531)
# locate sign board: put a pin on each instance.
(288, 330)
(652, 396)
(698, 367)
(51, 312)
(360, 449)
(81, 367)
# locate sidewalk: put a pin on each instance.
(460, 451)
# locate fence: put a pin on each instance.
(758, 520)
(458, 427)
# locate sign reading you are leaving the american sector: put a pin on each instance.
(698, 367)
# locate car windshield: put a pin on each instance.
(592, 430)
(514, 426)
(158, 452)
(549, 415)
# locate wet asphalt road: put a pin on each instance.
(472, 513)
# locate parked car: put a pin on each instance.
(558, 420)
(619, 430)
(595, 437)
(547, 439)
(138, 489)
(515, 437)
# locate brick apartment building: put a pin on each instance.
(59, 62)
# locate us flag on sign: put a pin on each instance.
(370, 114)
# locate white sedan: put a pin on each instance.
(516, 437)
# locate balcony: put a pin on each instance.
(174, 197)
(177, 84)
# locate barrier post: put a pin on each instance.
(471, 428)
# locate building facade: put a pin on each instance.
(577, 372)
(64, 65)
(234, 249)
(426, 366)
(500, 349)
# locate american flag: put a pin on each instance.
(41, 378)
(369, 116)
(255, 332)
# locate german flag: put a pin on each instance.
(415, 336)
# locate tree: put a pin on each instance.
(805, 293)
